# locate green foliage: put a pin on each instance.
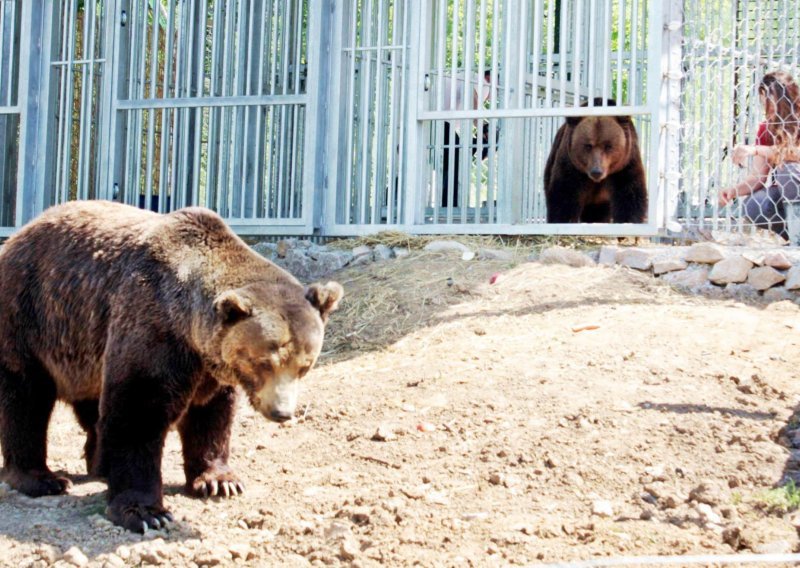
(781, 499)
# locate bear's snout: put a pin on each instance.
(596, 173)
(278, 399)
(277, 415)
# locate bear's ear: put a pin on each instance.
(325, 297)
(232, 306)
(574, 120)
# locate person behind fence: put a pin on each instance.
(774, 176)
(481, 95)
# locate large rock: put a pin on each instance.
(704, 253)
(741, 291)
(562, 255)
(690, 279)
(495, 254)
(315, 263)
(731, 270)
(777, 260)
(778, 294)
(793, 278)
(382, 252)
(763, 277)
(442, 246)
(637, 258)
(664, 265)
(608, 255)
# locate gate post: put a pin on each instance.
(35, 82)
(669, 118)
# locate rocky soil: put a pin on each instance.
(557, 413)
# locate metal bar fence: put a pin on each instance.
(215, 108)
(10, 29)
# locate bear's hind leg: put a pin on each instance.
(205, 434)
(87, 413)
(26, 403)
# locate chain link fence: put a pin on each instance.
(739, 111)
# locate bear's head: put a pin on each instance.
(600, 145)
(269, 335)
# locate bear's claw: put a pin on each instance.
(217, 487)
(36, 483)
(137, 517)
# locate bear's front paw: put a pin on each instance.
(131, 511)
(36, 483)
(213, 483)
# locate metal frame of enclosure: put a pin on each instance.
(346, 117)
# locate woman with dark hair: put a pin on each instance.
(775, 156)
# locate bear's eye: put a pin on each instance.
(608, 147)
(587, 147)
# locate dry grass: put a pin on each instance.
(417, 242)
(386, 300)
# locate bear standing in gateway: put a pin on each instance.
(594, 173)
(143, 321)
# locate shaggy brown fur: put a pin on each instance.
(144, 321)
(594, 173)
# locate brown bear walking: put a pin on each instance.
(142, 321)
(594, 173)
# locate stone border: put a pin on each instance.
(753, 273)
(703, 268)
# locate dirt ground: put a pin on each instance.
(558, 414)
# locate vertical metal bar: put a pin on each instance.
(259, 130)
(591, 63)
(536, 51)
(577, 55)
(620, 48)
(151, 113)
(654, 78)
(394, 110)
(63, 144)
(272, 139)
(350, 116)
(139, 114)
(482, 17)
(378, 144)
(163, 187)
(562, 53)
(634, 62)
(284, 130)
(548, 86)
(402, 204)
(228, 71)
(606, 50)
(85, 99)
(452, 175)
(212, 149)
(365, 107)
(183, 174)
(199, 115)
(441, 46)
(497, 23)
(465, 175)
(417, 28)
(248, 90)
(179, 127)
(296, 110)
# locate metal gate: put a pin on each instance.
(487, 84)
(168, 103)
(10, 29)
(223, 119)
